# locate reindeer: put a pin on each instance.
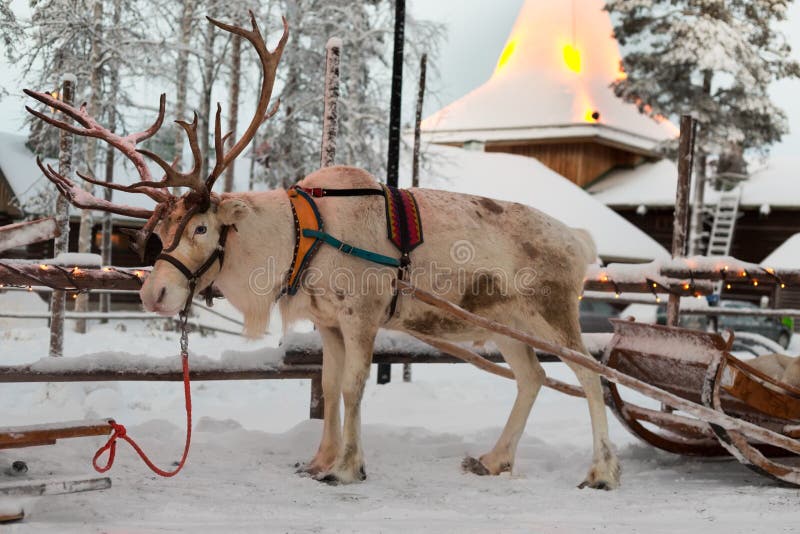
(254, 233)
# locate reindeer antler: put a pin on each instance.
(89, 127)
(269, 64)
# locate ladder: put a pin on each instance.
(719, 243)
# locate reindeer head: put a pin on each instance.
(191, 227)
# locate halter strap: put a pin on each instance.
(193, 277)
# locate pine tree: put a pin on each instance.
(714, 58)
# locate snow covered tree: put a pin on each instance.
(365, 29)
(9, 28)
(713, 58)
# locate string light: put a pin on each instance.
(106, 269)
(44, 267)
(76, 270)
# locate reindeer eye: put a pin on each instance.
(200, 229)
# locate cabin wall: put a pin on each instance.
(755, 236)
(582, 162)
(8, 209)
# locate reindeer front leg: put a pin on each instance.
(359, 340)
(332, 370)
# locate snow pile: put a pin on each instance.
(526, 180)
(786, 256)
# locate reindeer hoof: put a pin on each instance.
(333, 478)
(329, 479)
(598, 485)
(473, 465)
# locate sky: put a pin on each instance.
(476, 33)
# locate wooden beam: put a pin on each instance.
(70, 278)
(26, 233)
(21, 436)
(681, 224)
(28, 373)
(53, 487)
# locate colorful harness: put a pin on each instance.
(403, 226)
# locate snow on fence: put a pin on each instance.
(26, 233)
(614, 278)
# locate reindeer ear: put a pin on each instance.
(232, 210)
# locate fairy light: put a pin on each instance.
(755, 283)
(76, 270)
(138, 274)
(783, 286)
(43, 266)
(616, 295)
(580, 297)
(604, 277)
(106, 269)
(727, 286)
(30, 288)
(658, 299)
(686, 286)
(743, 274)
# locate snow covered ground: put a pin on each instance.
(248, 436)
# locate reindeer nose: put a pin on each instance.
(161, 295)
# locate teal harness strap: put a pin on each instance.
(374, 257)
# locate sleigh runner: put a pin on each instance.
(699, 367)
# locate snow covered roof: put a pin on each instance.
(786, 256)
(526, 180)
(775, 183)
(649, 184)
(552, 75)
(18, 165)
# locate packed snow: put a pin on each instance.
(248, 436)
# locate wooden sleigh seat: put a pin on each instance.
(699, 367)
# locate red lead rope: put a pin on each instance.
(119, 432)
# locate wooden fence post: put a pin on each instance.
(681, 224)
(61, 243)
(393, 156)
(423, 66)
(330, 120)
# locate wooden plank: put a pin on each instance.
(68, 278)
(51, 487)
(25, 373)
(48, 434)
(26, 233)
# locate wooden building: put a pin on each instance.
(549, 98)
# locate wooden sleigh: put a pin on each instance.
(712, 403)
(699, 367)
